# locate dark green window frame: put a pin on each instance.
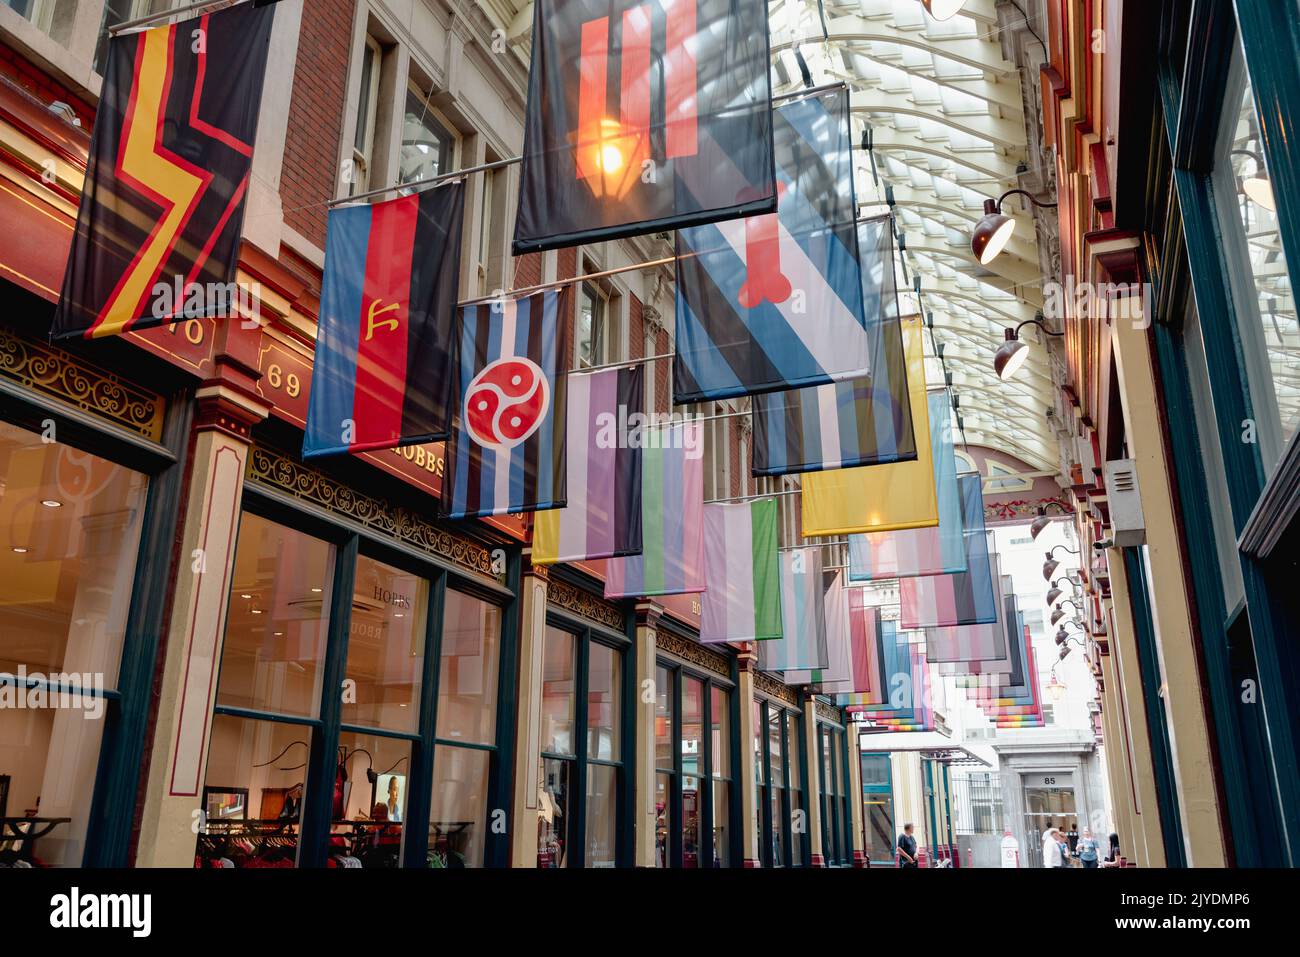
(584, 635)
(349, 542)
(874, 790)
(792, 746)
(677, 670)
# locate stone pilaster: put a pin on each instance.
(745, 777)
(814, 782)
(647, 624)
(532, 635)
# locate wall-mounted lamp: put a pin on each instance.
(1011, 355)
(1042, 521)
(943, 9)
(993, 232)
(1051, 565)
(1258, 188)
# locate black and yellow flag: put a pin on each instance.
(163, 204)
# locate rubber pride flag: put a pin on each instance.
(880, 498)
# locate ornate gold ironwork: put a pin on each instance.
(584, 604)
(765, 683)
(693, 653)
(54, 372)
(272, 468)
(828, 712)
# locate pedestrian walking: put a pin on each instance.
(1087, 847)
(907, 848)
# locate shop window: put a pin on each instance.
(70, 525)
(692, 761)
(277, 624)
(776, 789)
(665, 698)
(1261, 285)
(426, 144)
(386, 648)
(591, 332)
(580, 774)
(798, 815)
(458, 819)
(720, 751)
(878, 807)
(467, 677)
(370, 794)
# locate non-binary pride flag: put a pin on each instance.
(802, 644)
(861, 421)
(878, 498)
(775, 301)
(643, 116)
(383, 374)
(508, 453)
(672, 518)
(602, 518)
(937, 550)
(161, 211)
(743, 598)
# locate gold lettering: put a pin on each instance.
(372, 323)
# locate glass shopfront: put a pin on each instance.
(87, 520)
(878, 806)
(581, 778)
(693, 760)
(781, 798)
(398, 767)
(837, 825)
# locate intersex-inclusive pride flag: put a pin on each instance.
(839, 656)
(644, 116)
(977, 647)
(937, 550)
(162, 207)
(879, 498)
(602, 518)
(383, 374)
(743, 599)
(508, 454)
(672, 518)
(804, 595)
(775, 301)
(861, 421)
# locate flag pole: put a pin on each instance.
(482, 167)
(752, 498)
(162, 15)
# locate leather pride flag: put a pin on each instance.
(163, 202)
(644, 116)
(383, 374)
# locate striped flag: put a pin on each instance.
(743, 598)
(672, 519)
(775, 301)
(643, 116)
(938, 550)
(383, 374)
(509, 444)
(963, 598)
(162, 207)
(839, 654)
(879, 498)
(865, 656)
(602, 518)
(861, 421)
(802, 644)
(980, 646)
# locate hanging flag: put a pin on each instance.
(839, 638)
(861, 421)
(938, 550)
(508, 452)
(775, 301)
(963, 598)
(802, 644)
(162, 207)
(383, 374)
(644, 116)
(743, 599)
(672, 518)
(602, 517)
(980, 646)
(866, 662)
(879, 498)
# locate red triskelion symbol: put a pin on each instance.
(506, 403)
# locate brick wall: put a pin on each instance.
(311, 152)
(663, 393)
(635, 330)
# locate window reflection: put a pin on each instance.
(385, 648)
(553, 814)
(458, 813)
(467, 676)
(602, 703)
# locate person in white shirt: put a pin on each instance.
(1051, 849)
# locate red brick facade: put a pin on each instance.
(320, 84)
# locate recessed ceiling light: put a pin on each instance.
(278, 634)
(398, 614)
(245, 596)
(51, 503)
(20, 550)
(315, 591)
(256, 611)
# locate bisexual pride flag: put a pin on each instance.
(672, 518)
(383, 373)
(508, 451)
(743, 598)
(643, 116)
(602, 518)
(775, 301)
